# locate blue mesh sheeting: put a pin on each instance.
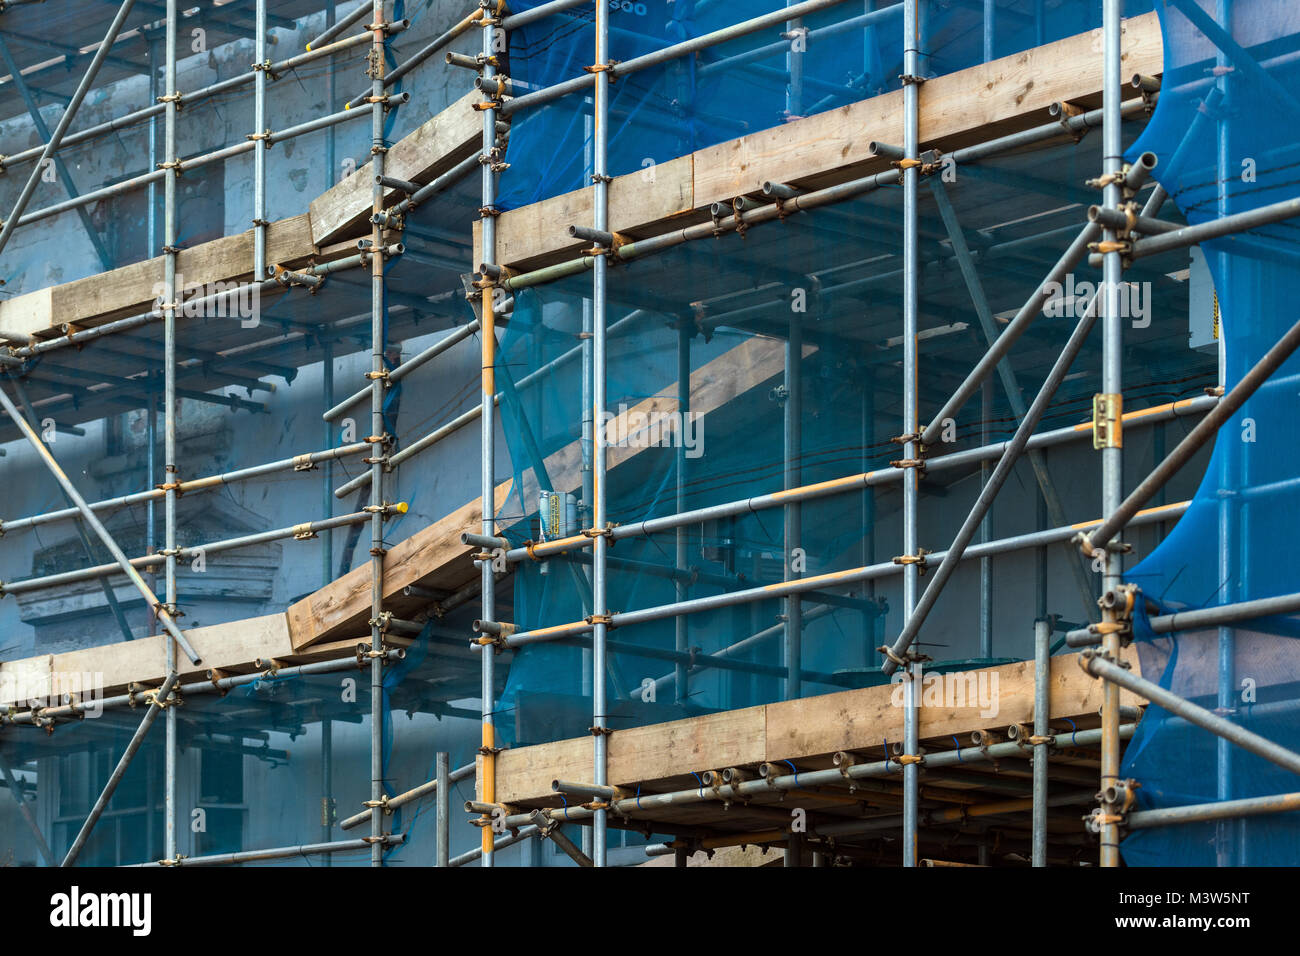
(1236, 543)
(850, 51)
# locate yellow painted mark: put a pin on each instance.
(1145, 511)
(489, 780)
(825, 485)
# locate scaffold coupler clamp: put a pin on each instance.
(384, 443)
(604, 532)
(912, 438)
(908, 657)
(493, 11)
(609, 66)
(544, 822)
(923, 565)
(171, 610)
(381, 803)
(1088, 550)
(1115, 801)
(174, 861)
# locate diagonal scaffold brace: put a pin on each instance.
(151, 599)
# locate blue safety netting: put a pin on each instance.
(843, 53)
(1236, 543)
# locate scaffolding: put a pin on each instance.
(912, 799)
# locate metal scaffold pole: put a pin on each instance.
(681, 623)
(911, 445)
(487, 332)
(1231, 513)
(600, 491)
(792, 421)
(380, 440)
(260, 134)
(171, 472)
(1108, 405)
(1042, 733)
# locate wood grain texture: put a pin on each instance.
(808, 730)
(957, 109)
(433, 148)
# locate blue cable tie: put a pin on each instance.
(795, 769)
(958, 743)
(1074, 729)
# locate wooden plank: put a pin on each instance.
(807, 729)
(636, 202)
(235, 647)
(133, 289)
(639, 753)
(957, 109)
(114, 666)
(433, 148)
(861, 719)
(727, 856)
(26, 314)
(434, 556)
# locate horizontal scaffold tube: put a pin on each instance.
(522, 833)
(1203, 431)
(410, 365)
(1216, 228)
(1223, 810)
(673, 52)
(1195, 619)
(46, 716)
(342, 24)
(422, 54)
(833, 579)
(296, 463)
(811, 779)
(869, 479)
(1098, 666)
(277, 853)
(307, 529)
(463, 419)
(189, 98)
(415, 793)
(185, 165)
(79, 337)
(790, 201)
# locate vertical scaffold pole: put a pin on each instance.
(1112, 460)
(487, 421)
(1042, 728)
(171, 471)
(443, 762)
(260, 143)
(681, 623)
(797, 37)
(792, 650)
(1231, 512)
(911, 448)
(600, 609)
(986, 528)
(379, 438)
